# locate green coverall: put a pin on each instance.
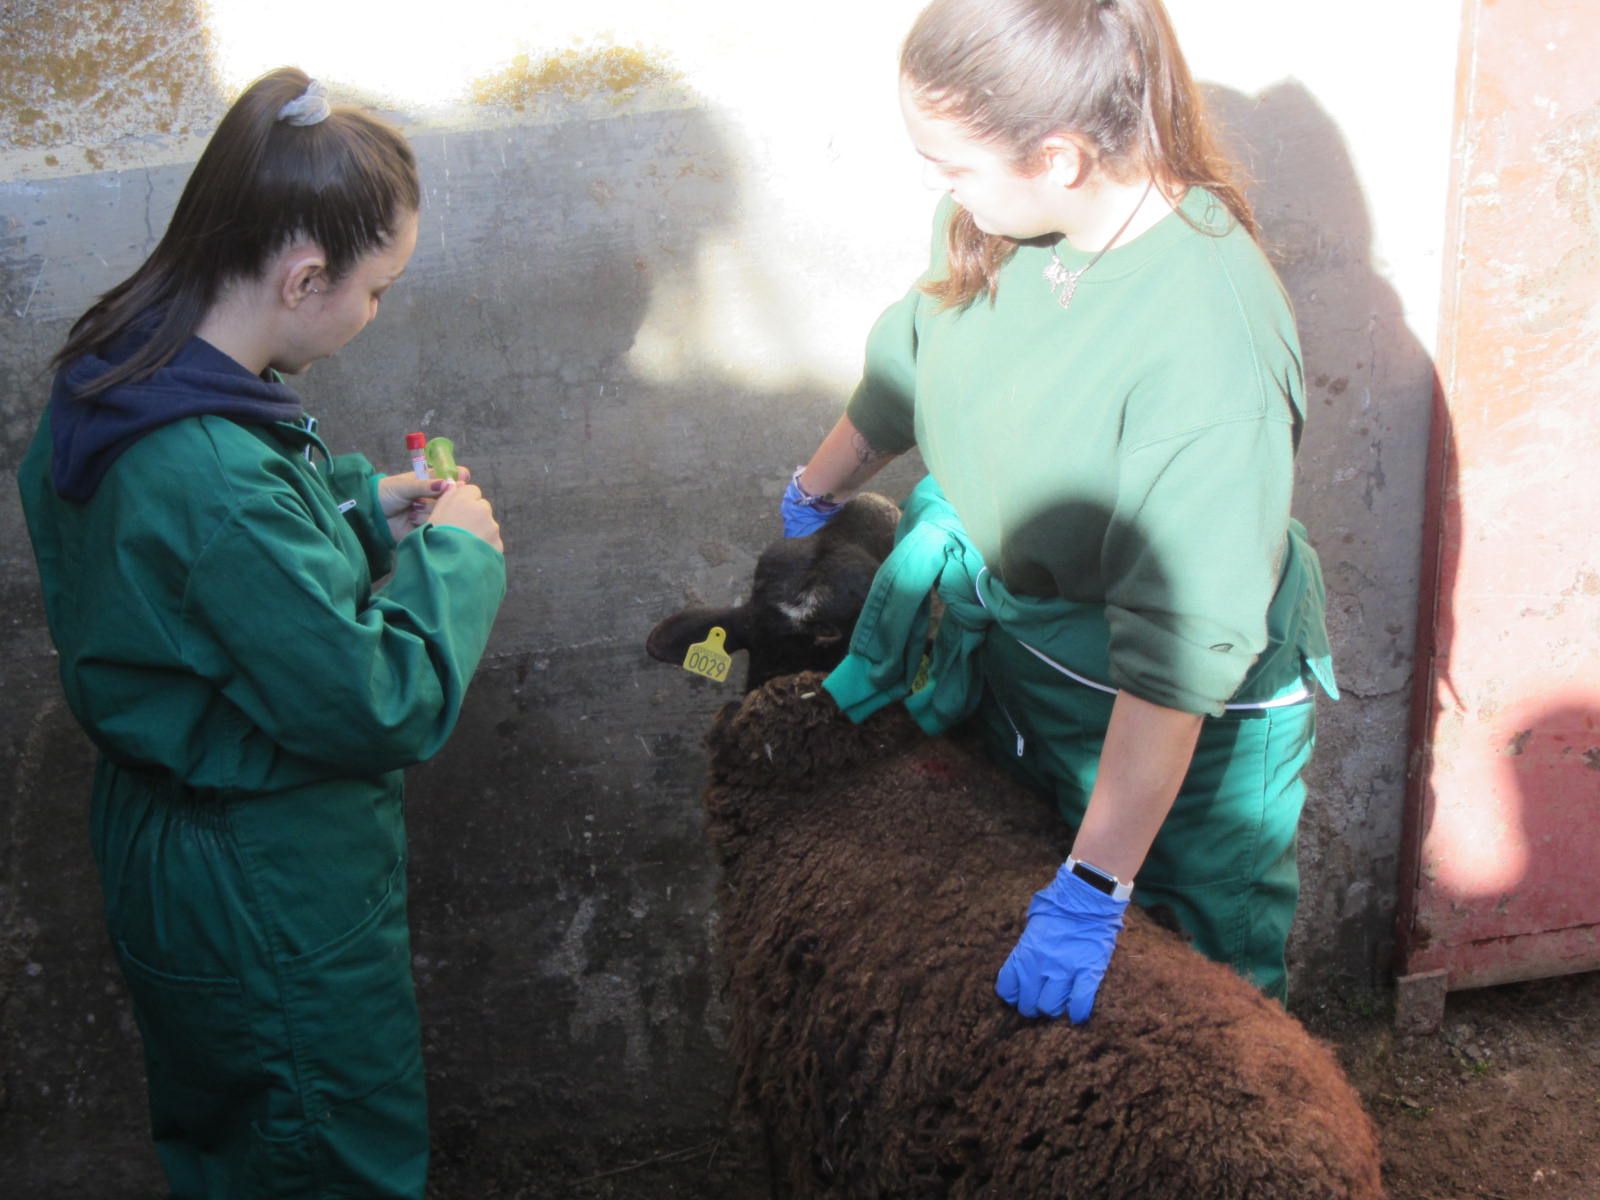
(253, 699)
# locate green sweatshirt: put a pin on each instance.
(1134, 451)
(214, 610)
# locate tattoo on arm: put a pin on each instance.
(867, 462)
(865, 454)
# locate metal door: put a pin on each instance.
(1502, 846)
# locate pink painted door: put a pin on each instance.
(1502, 865)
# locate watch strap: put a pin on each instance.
(804, 498)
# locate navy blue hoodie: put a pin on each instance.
(87, 436)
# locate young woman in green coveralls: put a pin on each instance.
(209, 579)
(1102, 373)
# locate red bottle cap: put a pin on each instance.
(416, 441)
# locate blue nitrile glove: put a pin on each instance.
(803, 513)
(1063, 952)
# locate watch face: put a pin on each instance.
(1094, 877)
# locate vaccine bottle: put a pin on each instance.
(414, 447)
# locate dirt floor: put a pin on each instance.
(701, 1164)
(1502, 1104)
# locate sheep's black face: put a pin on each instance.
(804, 606)
(804, 601)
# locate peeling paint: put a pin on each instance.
(1561, 295)
(99, 73)
(1573, 150)
(616, 73)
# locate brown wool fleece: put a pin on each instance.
(873, 882)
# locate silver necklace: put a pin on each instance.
(1064, 283)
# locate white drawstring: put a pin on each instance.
(1297, 697)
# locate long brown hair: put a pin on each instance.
(1109, 72)
(261, 182)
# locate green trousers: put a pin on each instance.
(1224, 859)
(264, 942)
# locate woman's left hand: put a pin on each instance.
(1063, 952)
(407, 501)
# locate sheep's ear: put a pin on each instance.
(670, 640)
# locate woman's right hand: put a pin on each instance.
(463, 506)
(837, 471)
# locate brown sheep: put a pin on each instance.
(873, 881)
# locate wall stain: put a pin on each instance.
(1561, 295)
(94, 72)
(616, 73)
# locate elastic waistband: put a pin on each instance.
(1300, 694)
(204, 807)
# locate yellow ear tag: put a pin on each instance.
(708, 658)
(921, 681)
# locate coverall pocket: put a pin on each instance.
(352, 1006)
(202, 1055)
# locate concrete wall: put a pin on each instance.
(653, 240)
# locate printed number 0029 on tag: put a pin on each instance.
(708, 658)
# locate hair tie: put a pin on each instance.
(310, 107)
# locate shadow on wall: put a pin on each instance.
(1370, 386)
(1548, 902)
(1504, 860)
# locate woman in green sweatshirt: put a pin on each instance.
(1102, 374)
(210, 580)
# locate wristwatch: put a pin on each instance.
(805, 499)
(1101, 881)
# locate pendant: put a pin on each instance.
(1063, 283)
